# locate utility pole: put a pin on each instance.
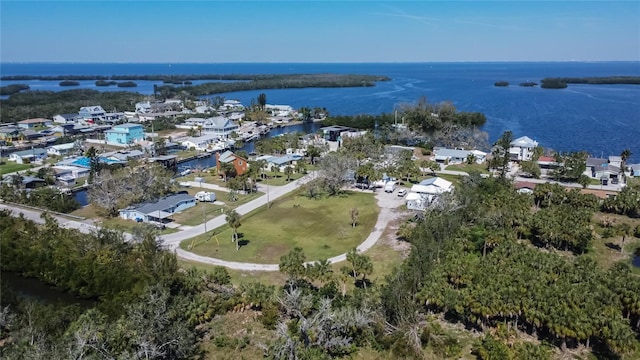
(204, 217)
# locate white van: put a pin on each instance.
(390, 186)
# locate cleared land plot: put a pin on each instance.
(11, 167)
(322, 228)
(481, 168)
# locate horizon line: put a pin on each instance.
(333, 62)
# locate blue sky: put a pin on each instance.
(324, 31)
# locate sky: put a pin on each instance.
(318, 31)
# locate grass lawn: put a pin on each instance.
(193, 216)
(128, 225)
(606, 251)
(279, 179)
(11, 167)
(481, 168)
(321, 227)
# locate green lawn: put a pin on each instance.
(11, 167)
(481, 168)
(321, 227)
(194, 215)
(127, 225)
(279, 179)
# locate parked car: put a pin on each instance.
(402, 192)
(390, 186)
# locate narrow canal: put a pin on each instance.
(210, 161)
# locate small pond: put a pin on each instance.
(35, 289)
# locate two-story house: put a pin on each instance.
(92, 114)
(124, 134)
(522, 149)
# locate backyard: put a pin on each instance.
(322, 227)
(194, 215)
(481, 168)
(9, 167)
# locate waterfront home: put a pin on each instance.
(27, 182)
(32, 123)
(159, 210)
(66, 118)
(522, 148)
(601, 169)
(155, 115)
(426, 193)
(634, 170)
(279, 110)
(457, 156)
(92, 114)
(125, 134)
(615, 161)
(337, 132)
(240, 164)
(200, 143)
(232, 105)
(220, 126)
(67, 175)
(28, 156)
(123, 155)
(61, 149)
(547, 162)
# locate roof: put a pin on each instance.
(437, 181)
(9, 129)
(25, 179)
(227, 156)
(281, 160)
(66, 146)
(452, 153)
(162, 204)
(94, 108)
(84, 161)
(596, 161)
(525, 185)
(615, 158)
(127, 126)
(545, 159)
(69, 116)
(33, 121)
(525, 142)
(31, 152)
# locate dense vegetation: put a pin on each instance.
(553, 83)
(13, 89)
(105, 83)
(178, 78)
(631, 80)
(501, 83)
(46, 104)
(127, 84)
(145, 307)
(69, 83)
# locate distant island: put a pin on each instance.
(13, 89)
(183, 83)
(561, 83)
(69, 83)
(127, 84)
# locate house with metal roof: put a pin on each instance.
(159, 210)
(61, 149)
(426, 193)
(458, 156)
(28, 156)
(66, 118)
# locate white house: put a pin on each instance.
(61, 150)
(92, 114)
(522, 148)
(456, 156)
(159, 210)
(66, 118)
(28, 156)
(279, 110)
(200, 143)
(425, 193)
(232, 105)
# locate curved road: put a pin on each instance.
(387, 203)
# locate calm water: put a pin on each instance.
(35, 289)
(601, 119)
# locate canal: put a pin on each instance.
(210, 161)
(32, 288)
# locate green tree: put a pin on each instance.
(361, 265)
(233, 220)
(501, 156)
(288, 171)
(313, 152)
(262, 100)
(292, 264)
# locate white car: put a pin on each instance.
(402, 192)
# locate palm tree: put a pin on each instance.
(288, 171)
(233, 220)
(625, 155)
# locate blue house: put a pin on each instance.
(160, 210)
(124, 134)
